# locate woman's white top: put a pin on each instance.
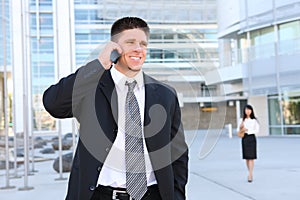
(252, 125)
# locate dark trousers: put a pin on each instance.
(107, 193)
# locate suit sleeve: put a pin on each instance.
(63, 99)
(179, 155)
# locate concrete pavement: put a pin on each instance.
(221, 174)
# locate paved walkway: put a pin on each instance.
(223, 174)
(220, 174)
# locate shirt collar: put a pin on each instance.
(120, 79)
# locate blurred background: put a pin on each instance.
(218, 54)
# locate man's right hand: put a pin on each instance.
(104, 55)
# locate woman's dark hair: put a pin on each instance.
(252, 115)
(127, 23)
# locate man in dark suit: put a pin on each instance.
(98, 96)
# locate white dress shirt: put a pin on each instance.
(113, 172)
(252, 125)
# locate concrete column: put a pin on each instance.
(63, 48)
(225, 52)
(260, 106)
(18, 63)
(238, 113)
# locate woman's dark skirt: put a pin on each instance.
(249, 147)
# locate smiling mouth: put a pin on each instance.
(135, 58)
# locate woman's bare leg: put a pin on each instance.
(250, 166)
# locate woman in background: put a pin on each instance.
(251, 128)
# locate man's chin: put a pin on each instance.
(135, 68)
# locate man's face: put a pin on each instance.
(134, 45)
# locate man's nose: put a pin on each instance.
(138, 47)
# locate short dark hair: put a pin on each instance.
(127, 23)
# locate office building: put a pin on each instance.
(259, 60)
(51, 38)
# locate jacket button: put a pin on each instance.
(99, 169)
(107, 149)
(92, 188)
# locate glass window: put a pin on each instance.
(42, 70)
(7, 39)
(43, 5)
(262, 43)
(45, 2)
(41, 2)
(290, 109)
(45, 23)
(242, 46)
(289, 37)
(182, 36)
(81, 15)
(289, 121)
(42, 77)
(186, 53)
(168, 36)
(42, 121)
(85, 16)
(262, 36)
(42, 60)
(156, 54)
(43, 45)
(242, 41)
(169, 54)
(289, 31)
(155, 37)
(85, 1)
(79, 36)
(274, 112)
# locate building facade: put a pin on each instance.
(53, 38)
(259, 59)
(5, 68)
(254, 61)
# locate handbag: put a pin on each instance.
(241, 133)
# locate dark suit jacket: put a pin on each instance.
(89, 95)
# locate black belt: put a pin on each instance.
(121, 193)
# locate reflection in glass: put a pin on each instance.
(290, 115)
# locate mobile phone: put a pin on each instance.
(114, 56)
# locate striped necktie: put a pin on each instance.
(136, 182)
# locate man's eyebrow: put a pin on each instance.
(144, 42)
(130, 40)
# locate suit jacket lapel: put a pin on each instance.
(151, 98)
(107, 86)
